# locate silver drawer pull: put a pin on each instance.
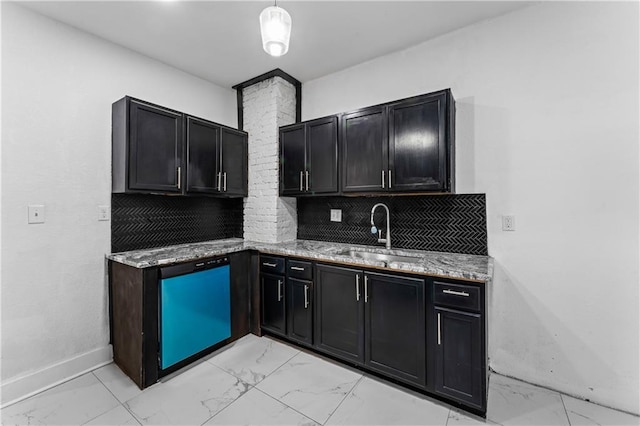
(271, 265)
(297, 268)
(456, 293)
(306, 296)
(439, 331)
(279, 290)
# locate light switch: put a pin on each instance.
(36, 213)
(336, 215)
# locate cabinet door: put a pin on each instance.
(339, 312)
(322, 155)
(203, 148)
(155, 148)
(273, 303)
(364, 150)
(292, 160)
(395, 337)
(233, 180)
(417, 144)
(459, 360)
(299, 311)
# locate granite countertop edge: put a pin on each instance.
(449, 265)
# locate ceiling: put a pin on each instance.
(219, 41)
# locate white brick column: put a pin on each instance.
(267, 105)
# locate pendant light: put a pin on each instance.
(275, 28)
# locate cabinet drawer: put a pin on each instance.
(457, 296)
(271, 264)
(299, 269)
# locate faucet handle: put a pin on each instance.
(374, 230)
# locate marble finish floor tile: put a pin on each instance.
(119, 416)
(252, 358)
(120, 385)
(373, 402)
(458, 418)
(191, 397)
(310, 385)
(512, 402)
(256, 407)
(585, 413)
(72, 403)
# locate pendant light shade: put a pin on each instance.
(275, 28)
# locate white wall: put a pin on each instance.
(547, 127)
(58, 85)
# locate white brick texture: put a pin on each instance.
(267, 105)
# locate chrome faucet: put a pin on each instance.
(386, 240)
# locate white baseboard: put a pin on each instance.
(22, 387)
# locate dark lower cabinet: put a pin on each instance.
(459, 368)
(339, 312)
(273, 303)
(395, 326)
(299, 312)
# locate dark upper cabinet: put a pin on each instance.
(418, 144)
(203, 150)
(233, 163)
(147, 149)
(400, 146)
(395, 326)
(299, 310)
(216, 158)
(364, 150)
(273, 303)
(158, 150)
(339, 312)
(292, 160)
(309, 157)
(459, 342)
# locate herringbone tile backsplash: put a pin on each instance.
(448, 223)
(147, 221)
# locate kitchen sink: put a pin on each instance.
(380, 257)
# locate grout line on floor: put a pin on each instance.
(121, 403)
(287, 405)
(566, 413)
(344, 398)
(232, 402)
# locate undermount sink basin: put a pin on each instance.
(380, 257)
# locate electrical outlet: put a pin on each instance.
(36, 213)
(508, 223)
(336, 215)
(103, 212)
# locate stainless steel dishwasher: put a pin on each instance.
(194, 309)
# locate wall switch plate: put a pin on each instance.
(336, 215)
(508, 223)
(36, 213)
(103, 212)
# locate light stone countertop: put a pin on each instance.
(453, 265)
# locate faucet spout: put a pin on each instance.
(387, 239)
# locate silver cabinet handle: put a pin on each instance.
(219, 183)
(439, 332)
(456, 293)
(307, 175)
(297, 268)
(366, 289)
(301, 180)
(357, 288)
(383, 179)
(224, 180)
(279, 290)
(306, 296)
(389, 178)
(271, 265)
(179, 176)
